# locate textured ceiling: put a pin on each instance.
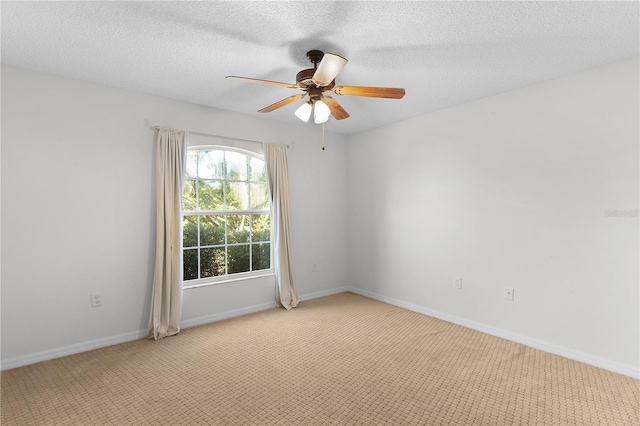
(442, 53)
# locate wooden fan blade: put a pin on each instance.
(269, 82)
(371, 92)
(337, 111)
(285, 101)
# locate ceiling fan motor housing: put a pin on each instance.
(304, 80)
(304, 77)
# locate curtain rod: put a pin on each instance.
(218, 136)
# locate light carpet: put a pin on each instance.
(338, 360)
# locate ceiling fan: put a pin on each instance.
(317, 80)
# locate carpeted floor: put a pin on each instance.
(338, 360)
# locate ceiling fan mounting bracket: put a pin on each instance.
(315, 56)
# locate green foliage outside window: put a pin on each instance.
(227, 225)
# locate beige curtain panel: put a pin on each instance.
(277, 172)
(166, 300)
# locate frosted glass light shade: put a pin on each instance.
(304, 112)
(321, 112)
(328, 69)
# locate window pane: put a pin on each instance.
(192, 164)
(239, 228)
(236, 166)
(237, 196)
(261, 227)
(211, 262)
(261, 256)
(238, 258)
(259, 196)
(190, 270)
(221, 244)
(190, 231)
(211, 230)
(258, 170)
(189, 195)
(211, 164)
(210, 195)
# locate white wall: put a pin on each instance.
(506, 191)
(78, 201)
(510, 191)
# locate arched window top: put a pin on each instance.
(199, 141)
(226, 164)
(251, 152)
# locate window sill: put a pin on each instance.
(228, 279)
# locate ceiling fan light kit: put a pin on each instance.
(321, 112)
(317, 80)
(304, 112)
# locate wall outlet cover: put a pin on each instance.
(96, 300)
(457, 283)
(508, 293)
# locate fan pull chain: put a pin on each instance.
(323, 136)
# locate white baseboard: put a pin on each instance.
(323, 293)
(23, 360)
(616, 367)
(255, 308)
(206, 319)
(606, 364)
(46, 355)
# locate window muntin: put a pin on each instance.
(226, 216)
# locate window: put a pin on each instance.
(226, 217)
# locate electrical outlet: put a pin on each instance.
(508, 293)
(457, 283)
(96, 300)
(314, 268)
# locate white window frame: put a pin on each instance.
(239, 276)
